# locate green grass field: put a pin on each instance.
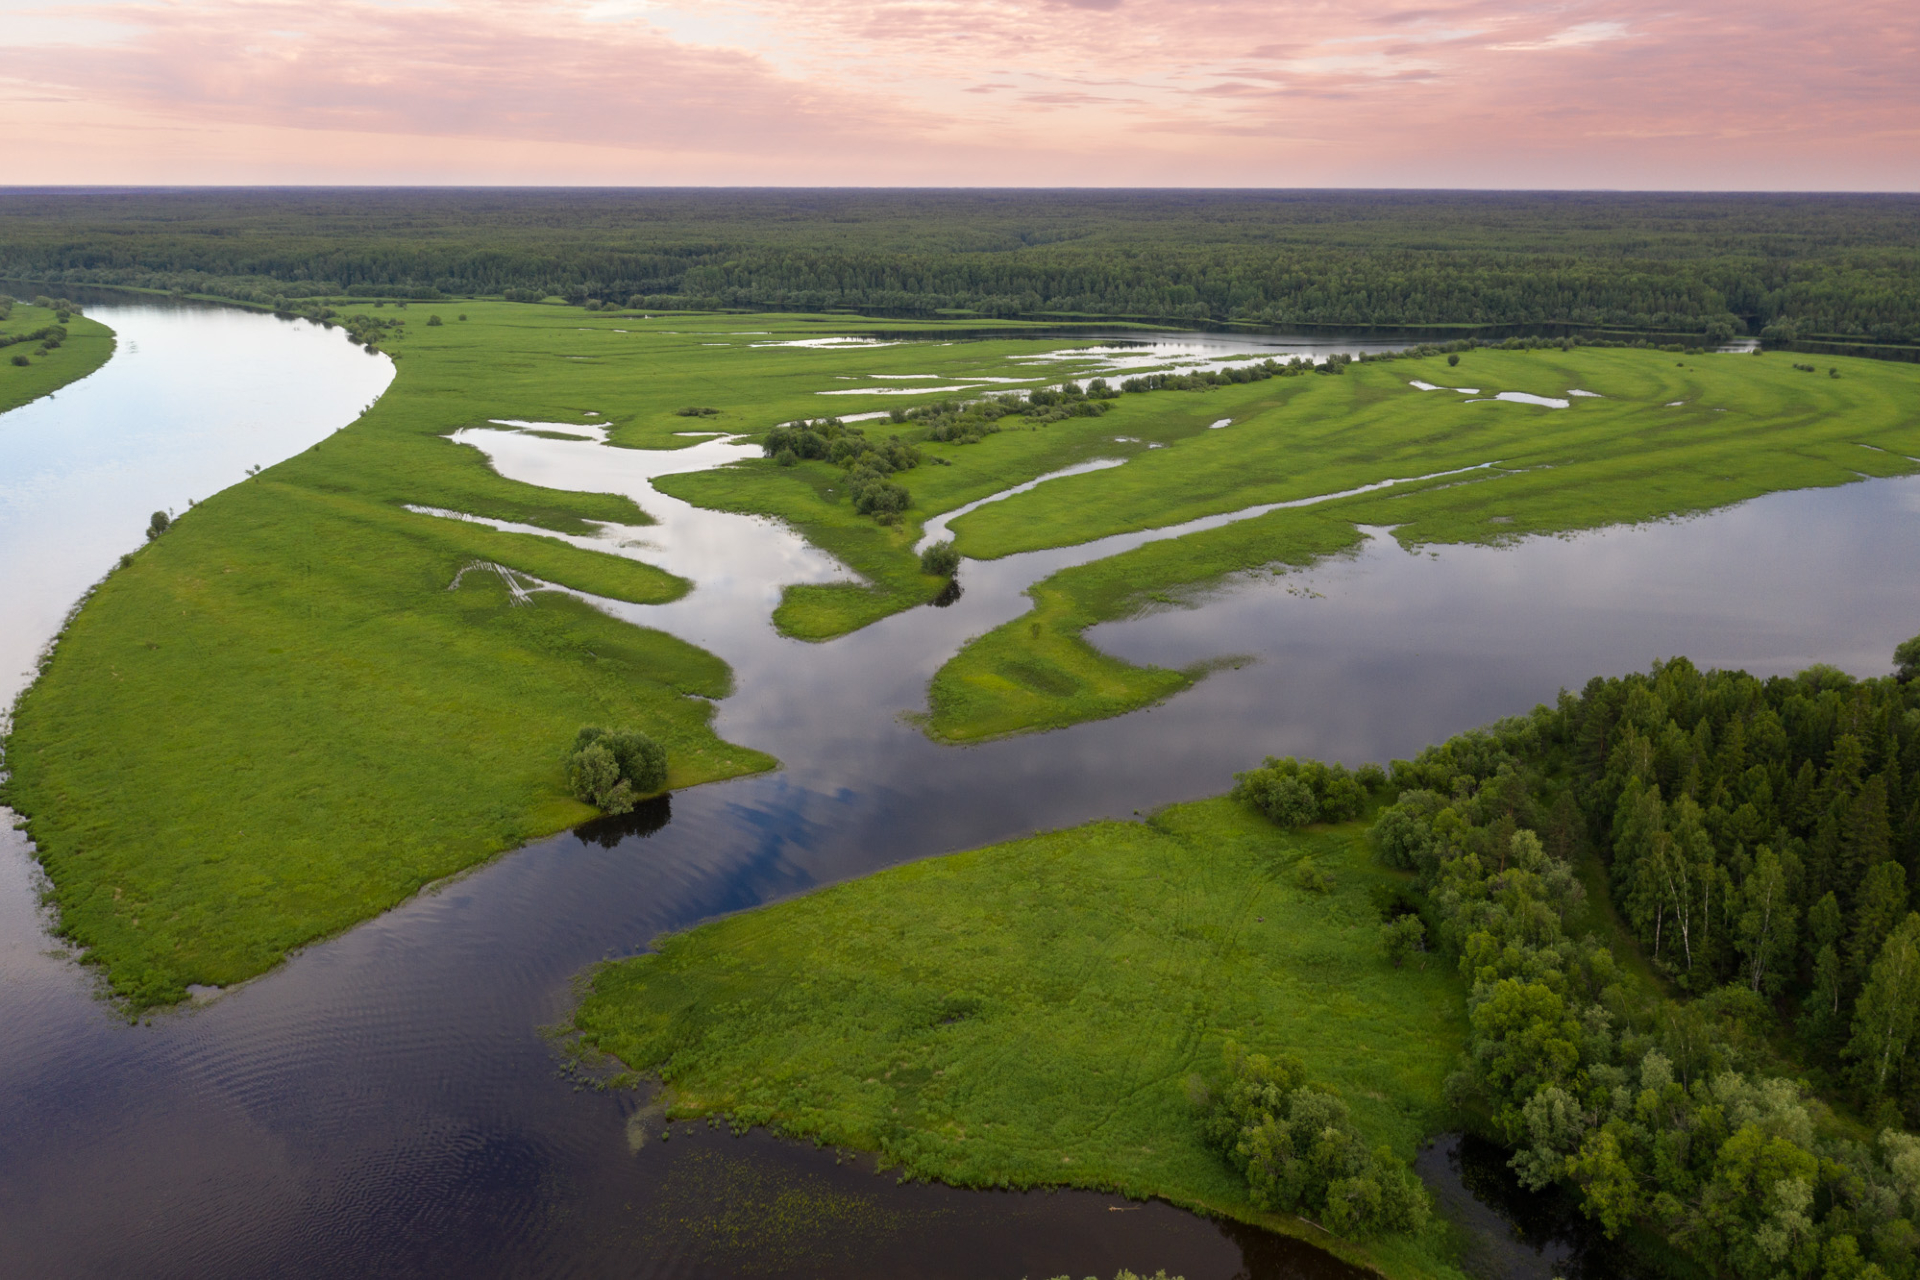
(1745, 426)
(316, 681)
(1031, 1013)
(277, 720)
(88, 345)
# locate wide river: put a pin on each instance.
(386, 1103)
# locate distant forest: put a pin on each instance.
(1837, 267)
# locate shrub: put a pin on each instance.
(941, 559)
(158, 525)
(1292, 793)
(433, 322)
(21, 360)
(1453, 360)
(1299, 1151)
(1311, 879)
(1402, 938)
(611, 769)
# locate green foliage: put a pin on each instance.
(1598, 462)
(158, 525)
(71, 347)
(1039, 1012)
(370, 730)
(1728, 810)
(611, 770)
(1704, 265)
(1906, 659)
(1299, 1151)
(940, 559)
(1292, 793)
(1403, 938)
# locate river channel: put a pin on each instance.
(385, 1103)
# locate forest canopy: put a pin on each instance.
(1817, 266)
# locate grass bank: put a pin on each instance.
(1663, 435)
(87, 345)
(1031, 1014)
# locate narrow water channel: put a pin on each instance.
(386, 1105)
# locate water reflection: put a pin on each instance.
(383, 1104)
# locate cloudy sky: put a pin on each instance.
(1689, 94)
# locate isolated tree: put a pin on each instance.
(940, 559)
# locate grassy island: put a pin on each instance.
(45, 349)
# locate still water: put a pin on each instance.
(385, 1104)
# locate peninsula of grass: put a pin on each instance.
(278, 719)
(1038, 1013)
(29, 369)
(1663, 436)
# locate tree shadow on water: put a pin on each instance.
(645, 818)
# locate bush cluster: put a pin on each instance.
(868, 465)
(611, 769)
(1292, 793)
(1300, 1152)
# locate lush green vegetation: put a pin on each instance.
(1053, 1011)
(1745, 834)
(1742, 426)
(1825, 264)
(1678, 903)
(277, 719)
(44, 345)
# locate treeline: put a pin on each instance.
(1758, 839)
(1826, 265)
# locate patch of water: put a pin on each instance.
(1524, 397)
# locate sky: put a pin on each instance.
(1633, 94)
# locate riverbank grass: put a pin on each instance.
(1664, 436)
(1039, 1013)
(87, 346)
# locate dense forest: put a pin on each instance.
(1666, 1035)
(1841, 267)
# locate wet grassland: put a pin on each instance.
(1664, 435)
(1042, 1012)
(43, 348)
(282, 717)
(304, 701)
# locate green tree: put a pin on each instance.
(1906, 660)
(940, 559)
(1766, 923)
(1882, 904)
(1885, 1017)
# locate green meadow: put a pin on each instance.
(1665, 435)
(86, 347)
(277, 719)
(1040, 1013)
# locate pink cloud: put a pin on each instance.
(1624, 93)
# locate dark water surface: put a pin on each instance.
(385, 1104)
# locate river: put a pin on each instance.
(385, 1103)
